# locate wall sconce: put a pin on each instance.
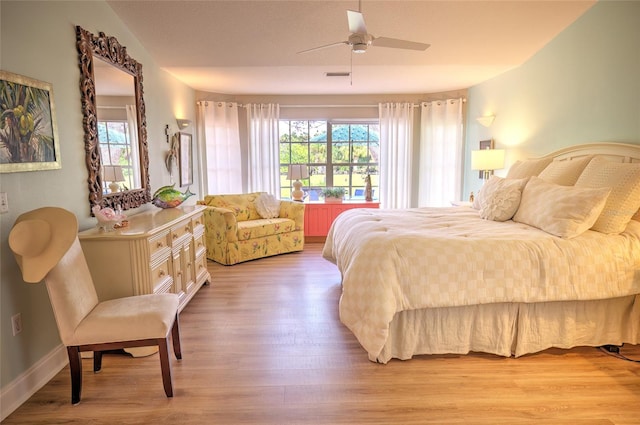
(182, 124)
(486, 121)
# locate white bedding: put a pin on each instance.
(400, 260)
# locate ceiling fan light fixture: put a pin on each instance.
(359, 48)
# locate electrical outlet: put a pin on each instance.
(16, 323)
(4, 203)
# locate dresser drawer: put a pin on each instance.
(181, 230)
(159, 243)
(197, 221)
(161, 275)
(200, 266)
(199, 245)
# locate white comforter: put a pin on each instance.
(395, 260)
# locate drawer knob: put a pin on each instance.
(162, 273)
(159, 244)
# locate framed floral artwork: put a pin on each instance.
(28, 127)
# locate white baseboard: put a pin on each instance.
(31, 380)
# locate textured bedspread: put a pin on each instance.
(396, 260)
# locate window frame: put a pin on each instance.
(330, 163)
(107, 145)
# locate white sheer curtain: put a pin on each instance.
(440, 153)
(218, 131)
(396, 149)
(264, 148)
(132, 128)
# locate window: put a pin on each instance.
(115, 149)
(338, 153)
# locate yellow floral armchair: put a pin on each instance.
(235, 231)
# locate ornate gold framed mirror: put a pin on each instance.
(92, 50)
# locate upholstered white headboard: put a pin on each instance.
(621, 152)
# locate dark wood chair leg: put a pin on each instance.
(175, 337)
(165, 365)
(97, 361)
(75, 366)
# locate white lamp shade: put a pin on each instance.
(487, 159)
(297, 172)
(113, 173)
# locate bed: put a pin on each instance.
(562, 270)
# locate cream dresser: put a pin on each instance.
(159, 251)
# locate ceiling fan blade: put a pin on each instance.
(356, 22)
(326, 46)
(399, 44)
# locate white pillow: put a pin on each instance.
(565, 172)
(499, 198)
(267, 205)
(624, 200)
(528, 168)
(565, 211)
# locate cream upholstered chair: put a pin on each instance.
(46, 246)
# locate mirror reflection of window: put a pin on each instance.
(117, 124)
(115, 149)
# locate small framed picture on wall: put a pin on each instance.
(186, 159)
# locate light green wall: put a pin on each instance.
(582, 87)
(38, 41)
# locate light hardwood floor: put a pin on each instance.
(263, 345)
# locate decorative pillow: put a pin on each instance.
(499, 198)
(566, 172)
(528, 168)
(624, 200)
(565, 211)
(267, 205)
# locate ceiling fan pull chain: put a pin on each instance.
(351, 67)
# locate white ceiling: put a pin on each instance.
(250, 46)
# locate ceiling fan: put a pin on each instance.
(360, 39)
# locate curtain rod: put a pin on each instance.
(373, 105)
(330, 106)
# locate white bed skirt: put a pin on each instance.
(509, 329)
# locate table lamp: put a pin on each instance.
(487, 160)
(113, 174)
(297, 172)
